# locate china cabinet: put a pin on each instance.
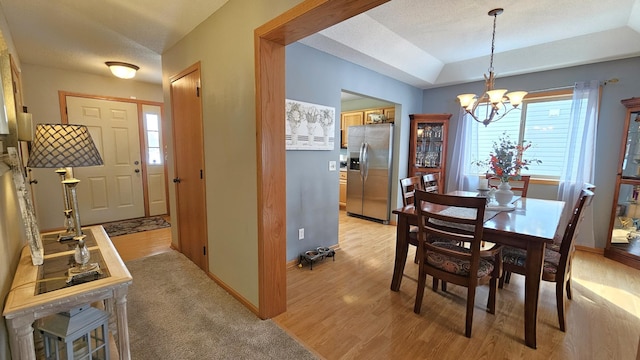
(623, 244)
(428, 144)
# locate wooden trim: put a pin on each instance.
(111, 98)
(270, 39)
(142, 143)
(589, 249)
(233, 293)
(185, 72)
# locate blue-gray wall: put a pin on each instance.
(612, 116)
(312, 190)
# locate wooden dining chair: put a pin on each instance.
(519, 187)
(557, 263)
(408, 186)
(457, 220)
(431, 183)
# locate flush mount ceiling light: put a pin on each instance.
(122, 70)
(495, 98)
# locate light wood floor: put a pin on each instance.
(344, 309)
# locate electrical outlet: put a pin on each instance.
(301, 234)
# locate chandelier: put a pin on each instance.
(494, 98)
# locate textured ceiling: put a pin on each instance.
(423, 43)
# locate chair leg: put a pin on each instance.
(422, 279)
(560, 304)
(471, 296)
(434, 285)
(444, 285)
(569, 288)
(491, 302)
(501, 281)
(507, 276)
(415, 259)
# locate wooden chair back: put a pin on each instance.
(408, 187)
(557, 267)
(519, 187)
(431, 183)
(455, 220)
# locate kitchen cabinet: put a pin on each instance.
(428, 145)
(623, 243)
(343, 189)
(362, 117)
(349, 119)
(390, 113)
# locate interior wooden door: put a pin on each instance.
(189, 178)
(113, 191)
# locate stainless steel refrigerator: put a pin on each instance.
(369, 150)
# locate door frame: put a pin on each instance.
(62, 99)
(270, 39)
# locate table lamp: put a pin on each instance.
(61, 146)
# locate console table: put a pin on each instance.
(39, 291)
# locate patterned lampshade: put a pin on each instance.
(63, 145)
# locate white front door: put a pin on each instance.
(156, 188)
(113, 191)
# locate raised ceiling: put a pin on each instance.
(423, 43)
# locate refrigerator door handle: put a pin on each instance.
(361, 160)
(365, 159)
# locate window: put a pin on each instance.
(152, 123)
(544, 121)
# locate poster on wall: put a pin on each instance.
(309, 126)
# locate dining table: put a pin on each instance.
(530, 224)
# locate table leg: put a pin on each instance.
(120, 295)
(402, 247)
(535, 257)
(21, 338)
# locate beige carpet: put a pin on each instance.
(177, 312)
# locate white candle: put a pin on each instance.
(483, 183)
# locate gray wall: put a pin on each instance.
(612, 116)
(312, 190)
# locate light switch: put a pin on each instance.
(332, 165)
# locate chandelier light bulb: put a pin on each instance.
(495, 97)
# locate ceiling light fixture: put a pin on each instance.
(495, 97)
(122, 70)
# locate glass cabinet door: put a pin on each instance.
(429, 145)
(625, 234)
(623, 243)
(631, 160)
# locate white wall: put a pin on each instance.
(40, 87)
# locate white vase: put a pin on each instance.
(504, 195)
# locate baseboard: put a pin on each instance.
(233, 293)
(590, 249)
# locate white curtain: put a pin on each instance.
(459, 168)
(580, 156)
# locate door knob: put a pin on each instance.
(137, 170)
(136, 162)
(34, 181)
(176, 180)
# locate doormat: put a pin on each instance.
(131, 226)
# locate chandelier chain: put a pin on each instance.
(493, 41)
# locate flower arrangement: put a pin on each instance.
(506, 160)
